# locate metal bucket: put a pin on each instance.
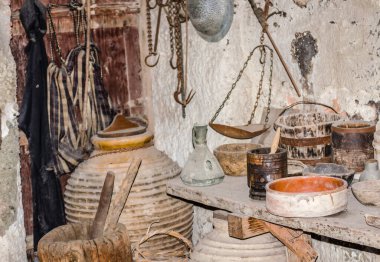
(263, 168)
(352, 143)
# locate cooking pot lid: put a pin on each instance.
(211, 18)
(123, 126)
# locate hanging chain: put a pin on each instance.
(262, 60)
(149, 27)
(171, 18)
(270, 87)
(178, 41)
(53, 38)
(263, 57)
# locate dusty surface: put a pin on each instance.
(232, 195)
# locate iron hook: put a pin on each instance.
(188, 99)
(149, 56)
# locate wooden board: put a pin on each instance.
(232, 195)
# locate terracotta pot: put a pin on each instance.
(147, 202)
(219, 246)
(352, 143)
(310, 196)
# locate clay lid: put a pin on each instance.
(123, 133)
(123, 126)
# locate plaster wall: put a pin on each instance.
(12, 233)
(345, 72)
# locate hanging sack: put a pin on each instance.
(75, 115)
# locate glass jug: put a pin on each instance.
(201, 168)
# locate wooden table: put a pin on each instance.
(232, 195)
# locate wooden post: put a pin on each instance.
(245, 227)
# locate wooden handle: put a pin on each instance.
(97, 228)
(260, 15)
(121, 196)
(283, 62)
(276, 140)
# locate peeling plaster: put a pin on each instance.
(12, 232)
(8, 117)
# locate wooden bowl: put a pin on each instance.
(332, 170)
(307, 196)
(367, 192)
(233, 157)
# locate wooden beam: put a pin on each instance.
(298, 244)
(243, 227)
(295, 240)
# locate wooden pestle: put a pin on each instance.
(275, 141)
(121, 197)
(97, 228)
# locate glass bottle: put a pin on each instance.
(201, 168)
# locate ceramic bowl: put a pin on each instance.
(233, 157)
(367, 192)
(330, 169)
(295, 168)
(306, 196)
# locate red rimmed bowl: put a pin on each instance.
(311, 196)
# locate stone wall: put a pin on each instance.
(12, 233)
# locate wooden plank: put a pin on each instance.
(296, 241)
(121, 197)
(233, 195)
(243, 227)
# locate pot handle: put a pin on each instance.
(302, 103)
(307, 103)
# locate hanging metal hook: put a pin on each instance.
(147, 58)
(188, 99)
(173, 64)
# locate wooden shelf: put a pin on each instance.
(232, 195)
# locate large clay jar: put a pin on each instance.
(219, 246)
(148, 204)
